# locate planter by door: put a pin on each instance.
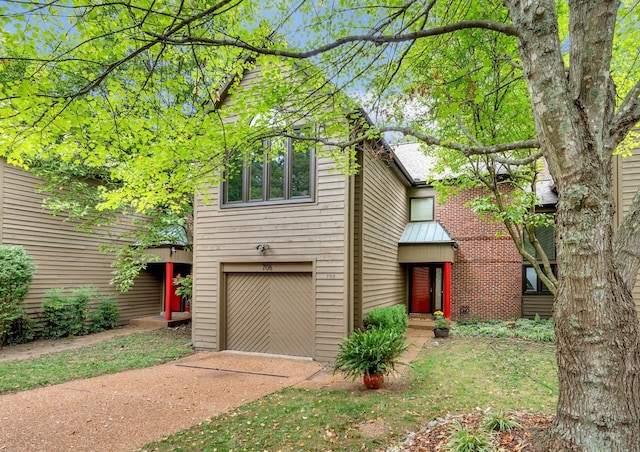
(440, 332)
(372, 381)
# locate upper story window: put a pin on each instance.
(421, 209)
(275, 172)
(546, 237)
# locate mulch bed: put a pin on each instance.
(437, 433)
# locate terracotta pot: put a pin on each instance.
(441, 332)
(373, 381)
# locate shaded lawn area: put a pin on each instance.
(457, 376)
(116, 355)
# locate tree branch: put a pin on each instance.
(464, 149)
(626, 118)
(506, 29)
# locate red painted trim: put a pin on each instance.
(447, 289)
(168, 290)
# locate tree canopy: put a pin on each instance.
(134, 88)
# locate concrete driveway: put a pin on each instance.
(124, 411)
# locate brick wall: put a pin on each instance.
(487, 272)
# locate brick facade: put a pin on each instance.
(487, 272)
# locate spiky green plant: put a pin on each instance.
(374, 351)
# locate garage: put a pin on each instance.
(270, 312)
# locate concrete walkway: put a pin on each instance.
(124, 411)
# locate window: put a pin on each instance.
(421, 209)
(545, 235)
(546, 238)
(533, 284)
(276, 172)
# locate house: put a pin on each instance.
(496, 271)
(66, 257)
(290, 254)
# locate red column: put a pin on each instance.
(447, 289)
(168, 289)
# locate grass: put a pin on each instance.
(459, 375)
(124, 353)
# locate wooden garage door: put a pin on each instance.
(270, 313)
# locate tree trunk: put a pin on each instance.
(596, 324)
(597, 335)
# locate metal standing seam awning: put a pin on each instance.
(427, 242)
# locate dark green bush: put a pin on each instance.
(16, 272)
(105, 317)
(66, 315)
(389, 317)
(20, 331)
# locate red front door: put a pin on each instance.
(420, 290)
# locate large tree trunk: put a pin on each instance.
(597, 333)
(596, 322)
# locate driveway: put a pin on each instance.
(124, 411)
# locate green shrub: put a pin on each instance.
(388, 317)
(20, 331)
(465, 440)
(184, 287)
(66, 315)
(105, 317)
(16, 273)
(374, 351)
(499, 422)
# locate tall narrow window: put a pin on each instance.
(234, 183)
(531, 283)
(275, 173)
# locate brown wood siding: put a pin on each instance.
(64, 256)
(384, 216)
(356, 220)
(541, 305)
(629, 183)
(304, 232)
(423, 253)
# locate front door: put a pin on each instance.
(425, 289)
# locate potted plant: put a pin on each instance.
(370, 354)
(441, 327)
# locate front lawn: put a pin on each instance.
(123, 353)
(459, 374)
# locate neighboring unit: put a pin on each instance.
(64, 256)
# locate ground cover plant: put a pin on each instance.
(535, 330)
(129, 352)
(458, 375)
